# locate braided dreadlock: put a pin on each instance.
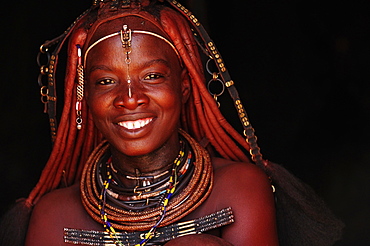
(201, 118)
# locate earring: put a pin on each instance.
(80, 88)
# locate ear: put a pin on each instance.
(185, 85)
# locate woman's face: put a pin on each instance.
(149, 118)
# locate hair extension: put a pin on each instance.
(202, 98)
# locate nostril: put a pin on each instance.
(118, 101)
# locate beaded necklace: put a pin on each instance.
(168, 192)
(152, 190)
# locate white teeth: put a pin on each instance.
(137, 124)
(131, 125)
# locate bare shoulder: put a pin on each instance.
(69, 194)
(245, 183)
(57, 202)
(56, 210)
(247, 189)
(246, 175)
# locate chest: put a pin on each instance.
(76, 217)
(84, 224)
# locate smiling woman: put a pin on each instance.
(143, 155)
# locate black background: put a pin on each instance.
(301, 67)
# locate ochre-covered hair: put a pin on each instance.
(303, 218)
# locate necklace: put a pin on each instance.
(172, 206)
(162, 235)
(150, 189)
(167, 192)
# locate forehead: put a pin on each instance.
(106, 41)
(144, 48)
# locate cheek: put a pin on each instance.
(170, 98)
(97, 105)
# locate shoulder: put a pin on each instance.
(67, 194)
(53, 212)
(57, 202)
(244, 182)
(247, 190)
(245, 175)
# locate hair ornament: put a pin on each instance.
(126, 44)
(80, 88)
(210, 49)
(215, 77)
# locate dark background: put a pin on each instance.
(302, 68)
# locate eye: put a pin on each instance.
(152, 76)
(106, 82)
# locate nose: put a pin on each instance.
(130, 96)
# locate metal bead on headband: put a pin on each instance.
(126, 44)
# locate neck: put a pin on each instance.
(151, 164)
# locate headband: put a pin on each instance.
(129, 32)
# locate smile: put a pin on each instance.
(136, 124)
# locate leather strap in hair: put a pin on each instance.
(210, 49)
(48, 88)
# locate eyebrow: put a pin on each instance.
(99, 67)
(155, 61)
(146, 64)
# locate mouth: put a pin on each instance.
(135, 124)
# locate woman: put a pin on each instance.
(142, 149)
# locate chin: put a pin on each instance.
(145, 146)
